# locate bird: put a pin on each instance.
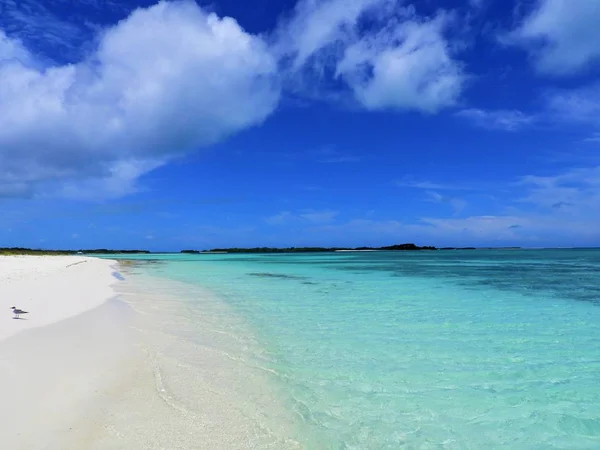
(17, 312)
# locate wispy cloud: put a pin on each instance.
(37, 25)
(410, 182)
(280, 218)
(330, 154)
(457, 204)
(594, 138)
(576, 190)
(506, 120)
(340, 159)
(308, 216)
(323, 216)
(580, 105)
(560, 208)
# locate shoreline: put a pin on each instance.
(117, 362)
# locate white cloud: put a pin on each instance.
(318, 25)
(400, 61)
(166, 80)
(12, 51)
(562, 36)
(172, 78)
(407, 66)
(507, 120)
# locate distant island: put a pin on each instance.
(103, 251)
(398, 247)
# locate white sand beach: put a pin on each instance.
(51, 288)
(87, 370)
(56, 359)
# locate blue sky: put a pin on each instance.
(343, 122)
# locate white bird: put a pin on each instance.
(17, 312)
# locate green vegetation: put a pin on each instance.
(29, 251)
(40, 252)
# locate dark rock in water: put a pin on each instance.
(276, 275)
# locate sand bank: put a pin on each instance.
(51, 288)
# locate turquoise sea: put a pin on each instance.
(424, 350)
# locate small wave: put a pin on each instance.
(162, 392)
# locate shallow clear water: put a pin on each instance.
(447, 349)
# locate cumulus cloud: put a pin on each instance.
(166, 80)
(171, 78)
(12, 50)
(387, 55)
(562, 36)
(407, 66)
